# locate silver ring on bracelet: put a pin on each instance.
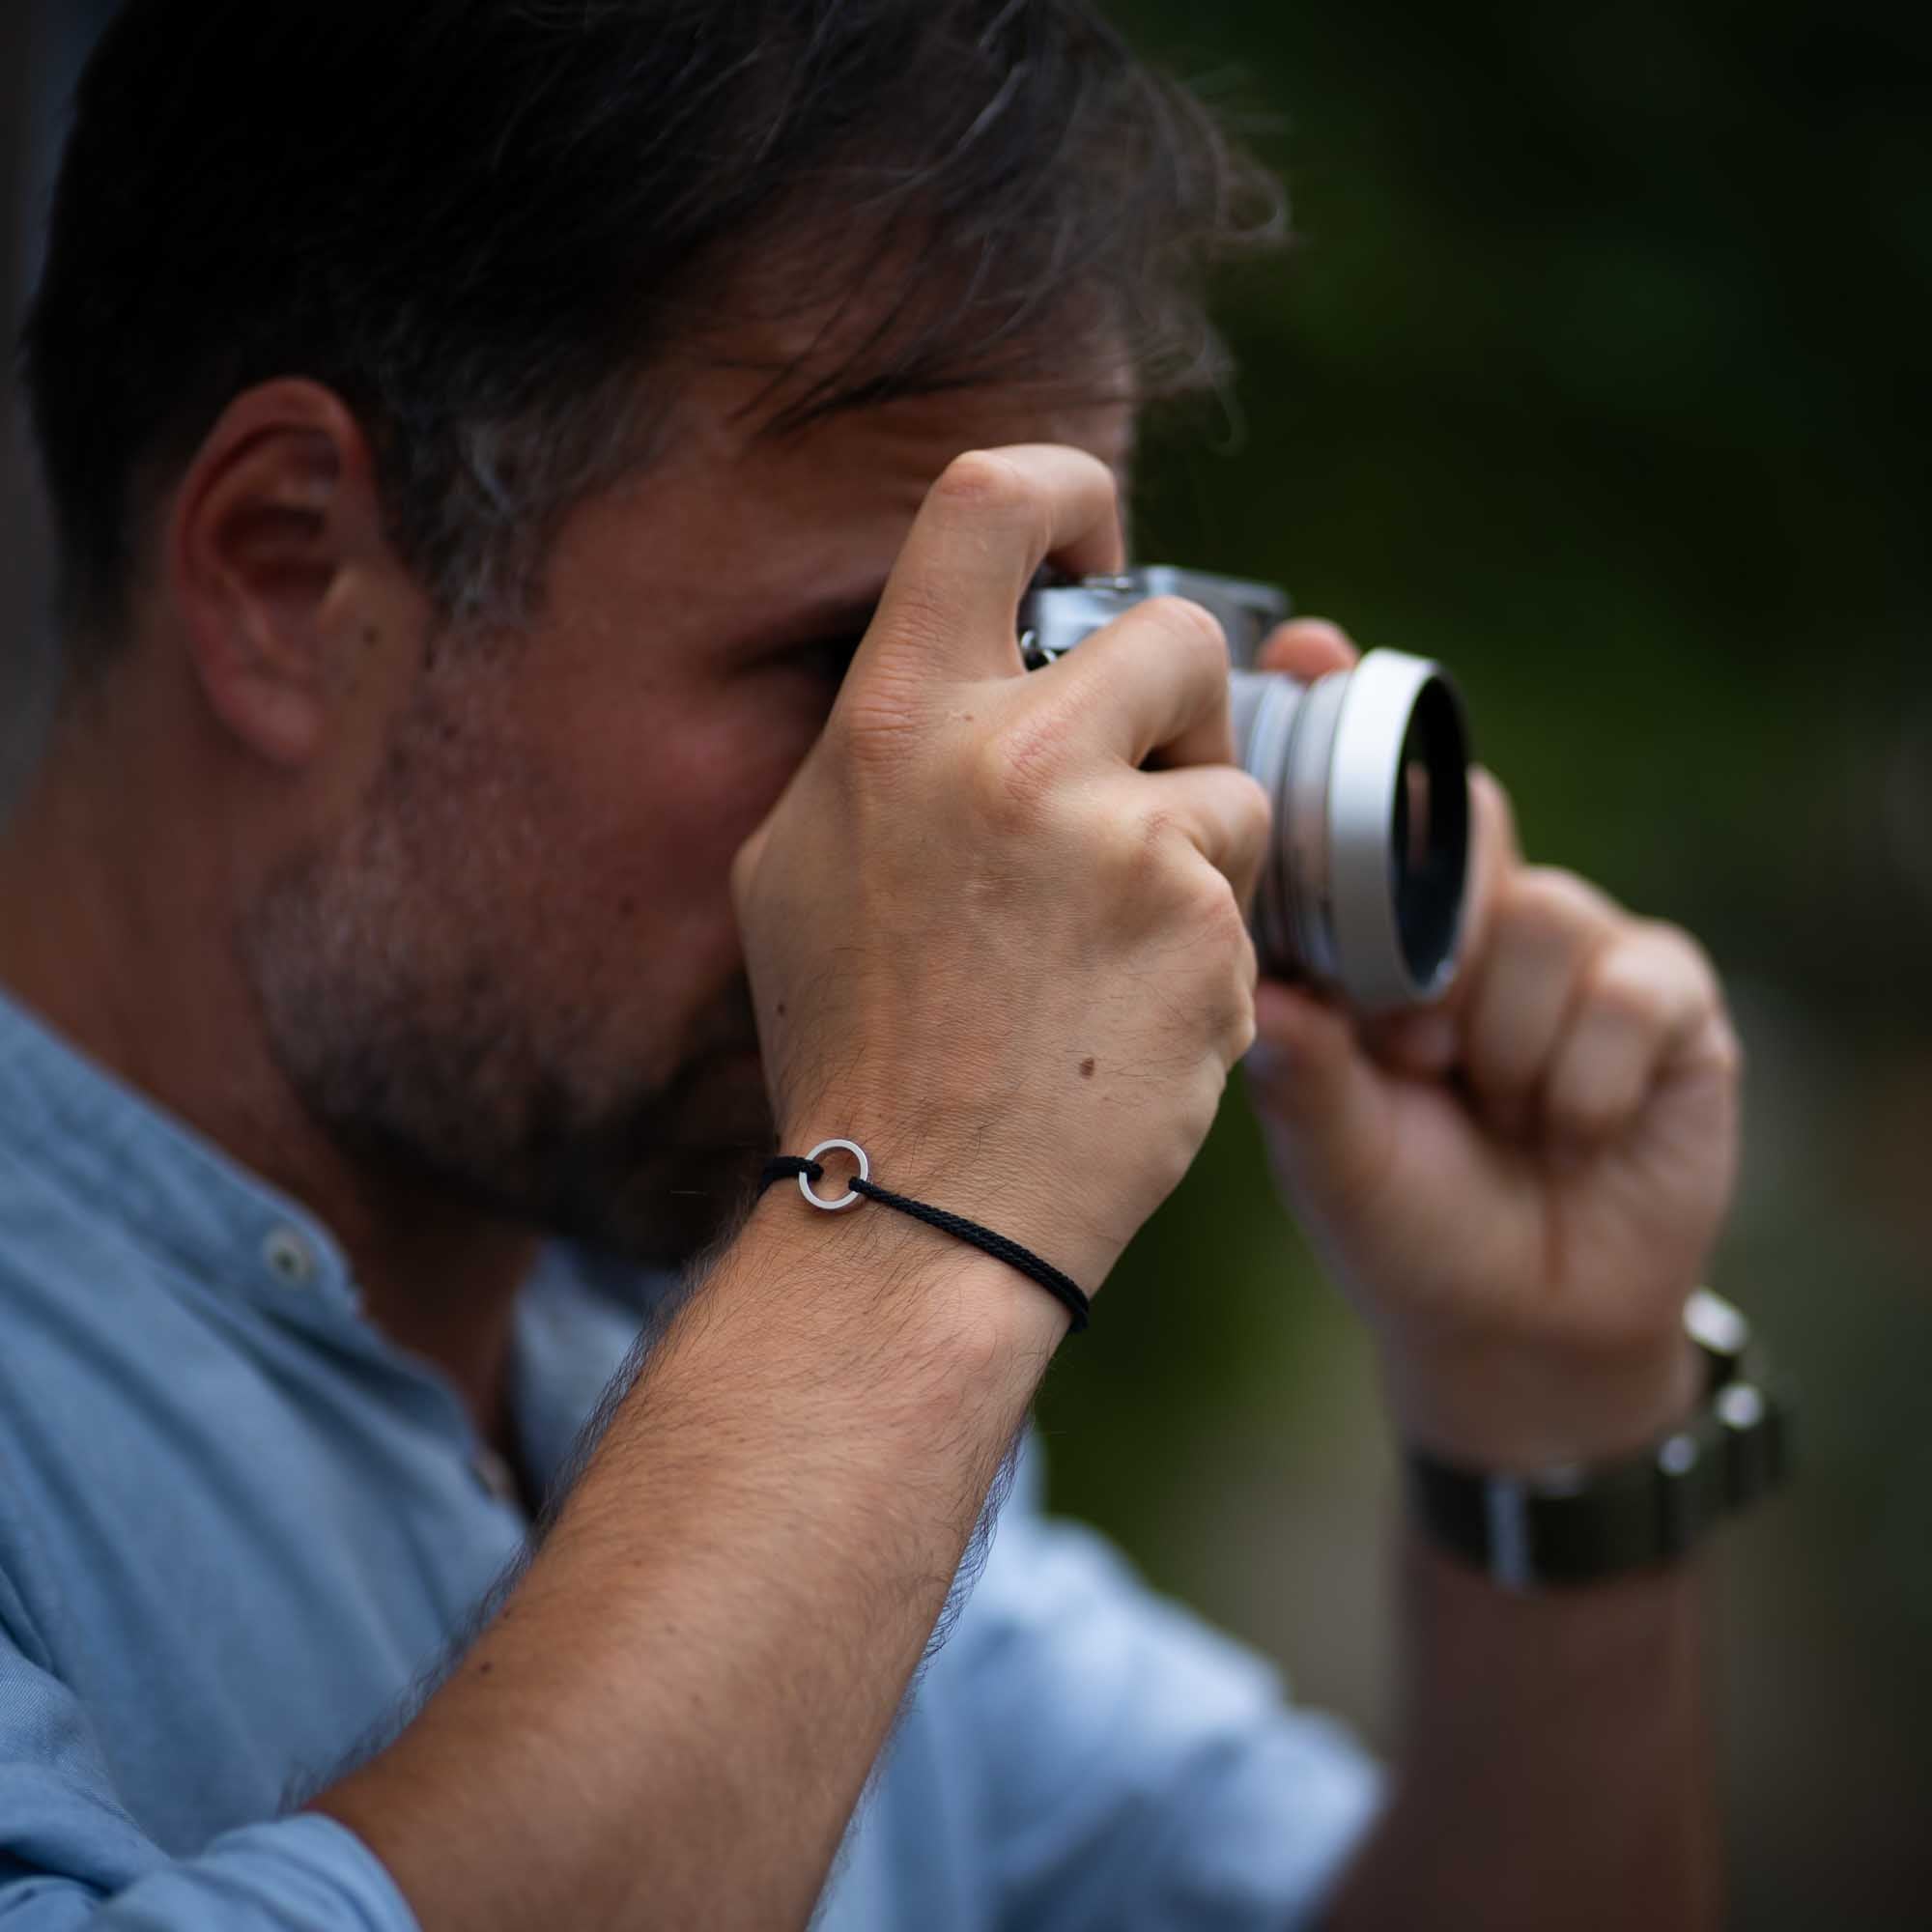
(851, 1197)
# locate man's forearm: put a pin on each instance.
(1555, 1766)
(673, 1715)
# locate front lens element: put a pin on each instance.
(1430, 850)
(1367, 770)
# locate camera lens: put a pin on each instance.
(1431, 836)
(1367, 772)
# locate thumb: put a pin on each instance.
(1322, 1099)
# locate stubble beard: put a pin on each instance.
(408, 1023)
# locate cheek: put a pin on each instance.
(670, 818)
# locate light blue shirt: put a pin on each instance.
(238, 1526)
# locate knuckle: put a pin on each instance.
(921, 619)
(1652, 972)
(1551, 904)
(1566, 893)
(1254, 811)
(1243, 1033)
(1194, 1118)
(1154, 831)
(1221, 955)
(1592, 1111)
(986, 483)
(1013, 771)
(1191, 628)
(1627, 991)
(1239, 1031)
(992, 792)
(1686, 953)
(873, 725)
(1215, 915)
(1137, 850)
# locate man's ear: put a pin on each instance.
(273, 541)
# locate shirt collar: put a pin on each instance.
(126, 1162)
(172, 1191)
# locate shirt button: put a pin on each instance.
(289, 1257)
(494, 1476)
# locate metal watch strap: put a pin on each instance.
(1580, 1523)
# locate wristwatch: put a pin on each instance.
(1581, 1522)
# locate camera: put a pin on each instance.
(1364, 886)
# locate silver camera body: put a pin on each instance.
(1367, 874)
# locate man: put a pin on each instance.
(543, 497)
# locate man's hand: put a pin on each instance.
(1519, 1186)
(1009, 962)
(982, 939)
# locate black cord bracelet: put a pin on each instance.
(807, 1170)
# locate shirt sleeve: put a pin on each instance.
(70, 1856)
(1142, 1769)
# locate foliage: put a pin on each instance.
(1599, 371)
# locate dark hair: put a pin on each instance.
(479, 222)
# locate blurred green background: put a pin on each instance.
(1599, 371)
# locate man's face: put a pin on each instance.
(516, 969)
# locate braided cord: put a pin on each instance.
(1064, 1290)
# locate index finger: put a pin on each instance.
(987, 525)
(1307, 648)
